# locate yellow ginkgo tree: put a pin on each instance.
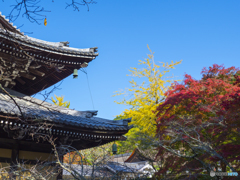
(59, 101)
(147, 96)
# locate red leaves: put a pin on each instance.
(202, 95)
(228, 151)
(200, 104)
(219, 71)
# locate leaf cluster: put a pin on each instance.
(60, 102)
(201, 118)
(144, 98)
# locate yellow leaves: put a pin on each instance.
(59, 101)
(54, 101)
(118, 93)
(166, 137)
(145, 98)
(149, 48)
(133, 83)
(141, 62)
(148, 62)
(45, 22)
(150, 56)
(171, 66)
(145, 73)
(143, 117)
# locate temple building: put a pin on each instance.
(28, 66)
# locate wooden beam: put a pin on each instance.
(14, 158)
(26, 161)
(7, 79)
(5, 160)
(8, 143)
(28, 76)
(15, 153)
(38, 73)
(35, 67)
(12, 83)
(20, 80)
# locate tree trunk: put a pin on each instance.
(14, 159)
(223, 166)
(60, 170)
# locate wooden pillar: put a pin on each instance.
(60, 170)
(14, 158)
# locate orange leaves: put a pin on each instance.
(72, 158)
(45, 22)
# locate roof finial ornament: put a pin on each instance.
(65, 43)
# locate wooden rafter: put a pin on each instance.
(28, 76)
(20, 80)
(36, 72)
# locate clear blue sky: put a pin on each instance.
(200, 32)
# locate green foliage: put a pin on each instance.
(97, 155)
(59, 101)
(131, 143)
(92, 156)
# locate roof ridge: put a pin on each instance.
(69, 117)
(56, 108)
(29, 99)
(52, 107)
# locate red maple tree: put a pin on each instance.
(199, 123)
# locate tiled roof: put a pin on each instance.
(117, 167)
(56, 47)
(53, 47)
(10, 25)
(37, 109)
(99, 170)
(31, 65)
(87, 170)
(139, 169)
(121, 157)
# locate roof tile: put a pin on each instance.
(35, 108)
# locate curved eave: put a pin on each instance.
(34, 110)
(56, 130)
(16, 50)
(94, 128)
(35, 45)
(77, 125)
